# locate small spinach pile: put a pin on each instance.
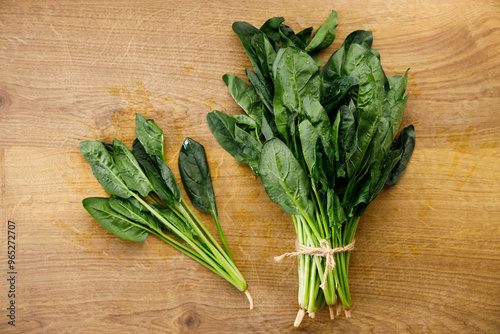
(322, 137)
(146, 198)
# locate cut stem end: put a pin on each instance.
(250, 299)
(312, 315)
(332, 311)
(338, 308)
(347, 313)
(300, 316)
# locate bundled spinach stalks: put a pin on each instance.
(146, 198)
(322, 137)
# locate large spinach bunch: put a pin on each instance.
(146, 198)
(322, 137)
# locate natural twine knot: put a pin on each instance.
(324, 250)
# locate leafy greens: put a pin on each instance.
(146, 198)
(321, 137)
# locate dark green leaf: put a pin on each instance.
(235, 141)
(392, 159)
(129, 169)
(335, 211)
(109, 147)
(339, 156)
(347, 130)
(152, 170)
(295, 76)
(289, 39)
(150, 136)
(284, 180)
(325, 34)
(305, 35)
(308, 138)
(265, 52)
(117, 224)
(104, 168)
(335, 90)
(407, 143)
(195, 175)
(245, 33)
(261, 88)
(169, 180)
(267, 127)
(134, 211)
(245, 122)
(316, 114)
(271, 28)
(361, 37)
(245, 96)
(335, 65)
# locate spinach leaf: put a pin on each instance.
(152, 170)
(245, 122)
(133, 210)
(245, 33)
(336, 215)
(347, 130)
(104, 168)
(289, 39)
(246, 97)
(234, 140)
(305, 35)
(361, 37)
(283, 178)
(296, 76)
(334, 67)
(325, 34)
(169, 180)
(316, 114)
(264, 92)
(129, 169)
(392, 159)
(266, 53)
(308, 138)
(117, 224)
(336, 90)
(195, 175)
(368, 101)
(271, 28)
(407, 143)
(150, 136)
(109, 147)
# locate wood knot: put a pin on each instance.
(189, 320)
(5, 101)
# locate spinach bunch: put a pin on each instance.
(322, 137)
(146, 198)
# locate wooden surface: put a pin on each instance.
(427, 256)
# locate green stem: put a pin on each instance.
(239, 284)
(221, 234)
(219, 229)
(321, 210)
(222, 257)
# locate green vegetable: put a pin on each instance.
(195, 175)
(146, 198)
(323, 140)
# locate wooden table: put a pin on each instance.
(427, 256)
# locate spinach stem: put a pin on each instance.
(221, 234)
(219, 229)
(226, 263)
(238, 283)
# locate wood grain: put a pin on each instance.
(427, 256)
